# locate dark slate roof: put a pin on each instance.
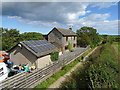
(39, 47)
(65, 32)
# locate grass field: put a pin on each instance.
(63, 71)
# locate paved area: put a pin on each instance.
(76, 50)
(62, 79)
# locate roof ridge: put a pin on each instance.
(28, 48)
(63, 28)
(34, 40)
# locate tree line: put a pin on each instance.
(11, 37)
(85, 36)
(89, 36)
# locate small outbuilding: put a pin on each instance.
(34, 52)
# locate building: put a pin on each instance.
(34, 52)
(60, 38)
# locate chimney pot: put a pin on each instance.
(70, 27)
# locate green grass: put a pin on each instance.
(63, 71)
(117, 46)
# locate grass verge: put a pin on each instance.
(117, 46)
(45, 84)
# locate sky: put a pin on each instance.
(43, 16)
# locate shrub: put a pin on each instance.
(54, 56)
(70, 46)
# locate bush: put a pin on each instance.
(70, 46)
(54, 56)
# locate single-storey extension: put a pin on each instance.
(34, 52)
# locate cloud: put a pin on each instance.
(24, 0)
(96, 17)
(100, 22)
(62, 13)
(102, 5)
(59, 0)
(58, 14)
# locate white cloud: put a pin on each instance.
(61, 14)
(103, 4)
(16, 17)
(98, 16)
(73, 17)
(100, 22)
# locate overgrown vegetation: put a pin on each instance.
(54, 56)
(10, 37)
(45, 84)
(70, 46)
(100, 71)
(117, 46)
(88, 36)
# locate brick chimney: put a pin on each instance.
(70, 27)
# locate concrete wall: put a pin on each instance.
(22, 56)
(56, 37)
(43, 61)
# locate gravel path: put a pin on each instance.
(62, 79)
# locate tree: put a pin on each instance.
(9, 38)
(87, 36)
(31, 36)
(83, 40)
(54, 56)
(12, 36)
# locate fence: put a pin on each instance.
(27, 80)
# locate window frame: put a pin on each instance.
(66, 38)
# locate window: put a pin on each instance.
(74, 37)
(74, 45)
(66, 47)
(66, 38)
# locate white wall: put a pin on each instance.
(43, 61)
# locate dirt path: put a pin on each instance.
(62, 79)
